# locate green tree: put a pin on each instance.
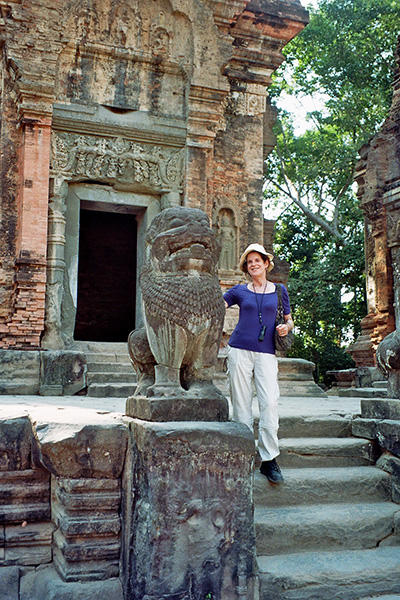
(345, 54)
(323, 274)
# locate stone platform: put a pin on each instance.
(91, 499)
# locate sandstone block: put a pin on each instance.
(28, 543)
(389, 436)
(62, 372)
(391, 464)
(76, 449)
(396, 491)
(9, 583)
(19, 371)
(178, 409)
(83, 495)
(84, 571)
(380, 408)
(15, 440)
(364, 428)
(47, 584)
(24, 496)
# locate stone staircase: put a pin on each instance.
(330, 531)
(109, 370)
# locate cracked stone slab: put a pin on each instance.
(344, 575)
(326, 452)
(79, 443)
(321, 485)
(327, 526)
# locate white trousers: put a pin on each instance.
(242, 366)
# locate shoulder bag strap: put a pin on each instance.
(279, 309)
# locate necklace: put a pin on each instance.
(259, 309)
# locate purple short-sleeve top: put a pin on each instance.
(247, 330)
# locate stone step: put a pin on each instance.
(322, 527)
(310, 426)
(111, 390)
(110, 358)
(326, 452)
(100, 347)
(383, 385)
(370, 392)
(18, 387)
(112, 377)
(341, 575)
(104, 367)
(385, 597)
(318, 486)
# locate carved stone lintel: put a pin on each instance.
(117, 159)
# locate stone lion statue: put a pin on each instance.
(183, 307)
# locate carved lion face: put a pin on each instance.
(180, 239)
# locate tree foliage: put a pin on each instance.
(326, 290)
(346, 56)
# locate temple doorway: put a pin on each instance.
(106, 287)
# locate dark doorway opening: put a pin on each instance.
(106, 276)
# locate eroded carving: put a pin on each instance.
(227, 239)
(183, 307)
(117, 159)
(245, 103)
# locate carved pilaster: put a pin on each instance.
(206, 110)
(55, 265)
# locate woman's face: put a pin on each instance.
(256, 265)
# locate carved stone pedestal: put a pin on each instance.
(188, 513)
(178, 409)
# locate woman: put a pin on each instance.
(252, 352)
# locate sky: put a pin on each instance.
(301, 105)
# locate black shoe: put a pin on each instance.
(271, 470)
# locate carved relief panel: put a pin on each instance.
(227, 239)
(134, 55)
(140, 165)
(226, 223)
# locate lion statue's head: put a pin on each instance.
(180, 239)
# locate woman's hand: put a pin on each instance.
(283, 329)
